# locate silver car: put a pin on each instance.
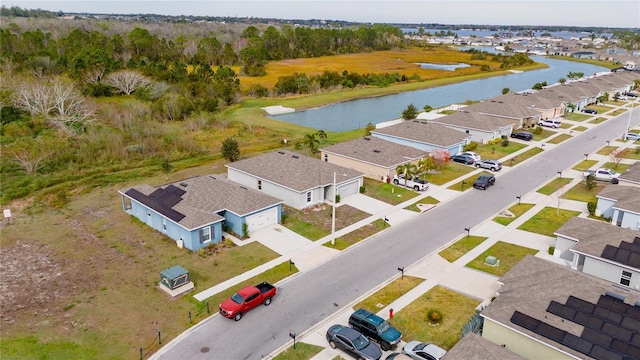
(632, 136)
(420, 351)
(492, 165)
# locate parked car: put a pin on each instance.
(522, 135)
(423, 351)
(632, 136)
(603, 174)
(413, 182)
(590, 111)
(550, 123)
(246, 299)
(484, 181)
(353, 342)
(375, 328)
(463, 159)
(633, 95)
(476, 157)
(493, 165)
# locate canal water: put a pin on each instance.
(357, 114)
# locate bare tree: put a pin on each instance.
(127, 81)
(617, 155)
(29, 154)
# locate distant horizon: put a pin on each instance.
(618, 14)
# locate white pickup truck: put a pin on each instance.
(603, 174)
(413, 182)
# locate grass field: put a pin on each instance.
(388, 294)
(508, 255)
(389, 193)
(553, 186)
(357, 235)
(548, 220)
(517, 210)
(461, 247)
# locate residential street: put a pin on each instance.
(309, 297)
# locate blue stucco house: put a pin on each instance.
(194, 212)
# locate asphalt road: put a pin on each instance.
(310, 297)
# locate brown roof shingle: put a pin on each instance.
(376, 151)
(424, 132)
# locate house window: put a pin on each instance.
(164, 224)
(625, 279)
(326, 157)
(308, 197)
(127, 203)
(259, 184)
(205, 235)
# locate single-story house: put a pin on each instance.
(375, 157)
(194, 212)
(474, 346)
(298, 180)
(631, 176)
(601, 250)
(521, 116)
(548, 108)
(482, 128)
(424, 136)
(621, 204)
(547, 311)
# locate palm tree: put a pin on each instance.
(425, 164)
(322, 134)
(312, 142)
(407, 170)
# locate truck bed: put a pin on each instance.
(264, 287)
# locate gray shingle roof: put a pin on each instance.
(627, 197)
(293, 170)
(504, 109)
(424, 132)
(531, 285)
(594, 235)
(376, 151)
(474, 347)
(632, 174)
(474, 120)
(206, 196)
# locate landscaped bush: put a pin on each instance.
(591, 207)
(590, 182)
(470, 146)
(362, 189)
(551, 250)
(537, 130)
(434, 316)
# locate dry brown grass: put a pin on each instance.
(379, 62)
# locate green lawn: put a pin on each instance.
(508, 254)
(617, 167)
(461, 247)
(542, 135)
(497, 151)
(560, 138)
(522, 157)
(574, 116)
(427, 200)
(303, 351)
(388, 294)
(389, 193)
(584, 165)
(314, 223)
(598, 120)
(357, 235)
(548, 220)
(579, 128)
(580, 192)
(456, 311)
(607, 150)
(449, 172)
(467, 183)
(553, 186)
(517, 210)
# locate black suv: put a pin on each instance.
(375, 328)
(522, 135)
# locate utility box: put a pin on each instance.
(491, 260)
(174, 277)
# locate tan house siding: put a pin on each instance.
(520, 344)
(371, 171)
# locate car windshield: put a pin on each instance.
(360, 342)
(383, 326)
(237, 298)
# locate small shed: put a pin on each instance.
(174, 277)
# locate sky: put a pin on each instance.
(601, 13)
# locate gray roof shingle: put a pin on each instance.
(294, 171)
(424, 132)
(474, 120)
(474, 347)
(627, 197)
(632, 174)
(376, 151)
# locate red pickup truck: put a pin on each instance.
(246, 299)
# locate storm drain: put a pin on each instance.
(204, 350)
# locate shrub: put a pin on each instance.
(504, 142)
(537, 130)
(337, 198)
(434, 316)
(245, 230)
(474, 324)
(551, 250)
(470, 146)
(362, 189)
(591, 207)
(590, 182)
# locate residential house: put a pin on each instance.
(193, 212)
(482, 128)
(547, 107)
(424, 136)
(621, 204)
(474, 346)
(375, 157)
(599, 249)
(298, 180)
(631, 176)
(520, 116)
(548, 311)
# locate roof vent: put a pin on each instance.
(281, 152)
(295, 156)
(242, 187)
(376, 151)
(184, 184)
(366, 138)
(614, 295)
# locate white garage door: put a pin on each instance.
(348, 189)
(262, 219)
